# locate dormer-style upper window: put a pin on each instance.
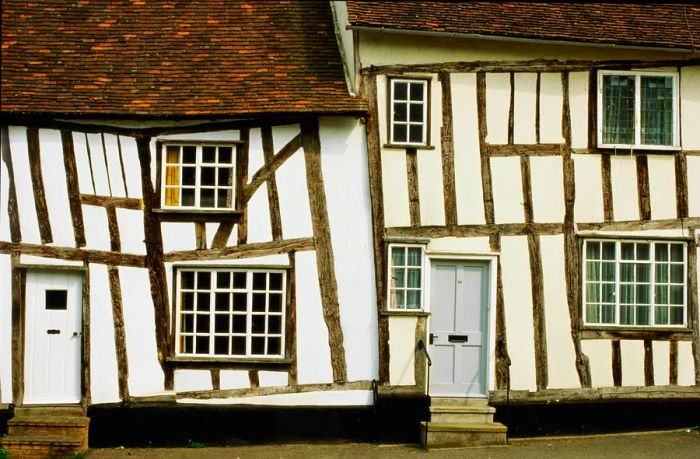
(638, 110)
(409, 112)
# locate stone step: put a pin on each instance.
(42, 446)
(459, 401)
(456, 434)
(477, 415)
(50, 410)
(75, 426)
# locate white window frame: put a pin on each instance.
(652, 283)
(423, 288)
(638, 110)
(179, 334)
(425, 83)
(198, 165)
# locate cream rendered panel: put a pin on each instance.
(460, 245)
(525, 93)
(272, 378)
(632, 353)
(561, 357)
(588, 206)
(213, 136)
(465, 131)
(623, 175)
(99, 167)
(145, 373)
(551, 102)
(506, 181)
(430, 184)
(132, 169)
(28, 221)
(54, 178)
(690, 108)
(5, 322)
(259, 227)
(662, 186)
(599, 352)
(234, 379)
(693, 185)
(497, 107)
(661, 362)
(131, 232)
(178, 236)
(82, 163)
(4, 195)
(114, 167)
(211, 229)
(578, 107)
(294, 197)
(313, 350)
(515, 267)
(187, 380)
(547, 181)
(96, 228)
(33, 260)
(402, 337)
(686, 365)
(104, 385)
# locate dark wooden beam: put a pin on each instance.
(505, 229)
(86, 351)
(636, 225)
(12, 208)
(643, 188)
(254, 379)
(501, 339)
(242, 153)
(419, 360)
(115, 243)
(693, 319)
(540, 149)
(538, 102)
(616, 362)
(511, 110)
(115, 291)
(615, 333)
(18, 315)
(121, 166)
(104, 157)
(648, 363)
(255, 249)
(215, 375)
(200, 235)
(42, 209)
(681, 166)
(673, 363)
(273, 200)
(606, 182)
(89, 158)
(291, 336)
(261, 391)
(413, 188)
(538, 312)
(76, 210)
(447, 149)
(484, 149)
(72, 253)
(600, 394)
(113, 201)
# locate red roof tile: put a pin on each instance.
(671, 25)
(171, 58)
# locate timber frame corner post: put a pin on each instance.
(18, 286)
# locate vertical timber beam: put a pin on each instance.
(511, 110)
(311, 143)
(447, 148)
(693, 300)
(241, 180)
(154, 260)
(643, 187)
(606, 182)
(538, 92)
(673, 363)
(12, 208)
(115, 290)
(76, 209)
(376, 194)
(483, 148)
(42, 209)
(86, 348)
(18, 315)
(681, 166)
(419, 361)
(502, 357)
(291, 338)
(616, 362)
(413, 191)
(571, 249)
(215, 375)
(648, 363)
(273, 200)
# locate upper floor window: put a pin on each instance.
(406, 277)
(638, 110)
(198, 176)
(409, 112)
(634, 283)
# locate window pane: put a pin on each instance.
(239, 280)
(238, 345)
(607, 314)
(626, 272)
(592, 293)
(203, 301)
(187, 323)
(642, 251)
(222, 302)
(222, 323)
(661, 294)
(258, 323)
(414, 278)
(189, 154)
(627, 249)
(275, 281)
(240, 302)
(258, 345)
(643, 272)
(608, 293)
(224, 176)
(677, 273)
(592, 270)
(413, 299)
(239, 323)
(223, 279)
(661, 315)
(274, 324)
(416, 112)
(676, 294)
(593, 250)
(400, 90)
(592, 313)
(618, 109)
(221, 345)
(415, 256)
(259, 302)
(187, 280)
(273, 346)
(189, 176)
(172, 154)
(188, 197)
(626, 315)
(608, 250)
(661, 252)
(608, 271)
(202, 321)
(657, 110)
(275, 302)
(398, 256)
(206, 198)
(661, 272)
(400, 133)
(223, 199)
(676, 316)
(643, 294)
(400, 111)
(398, 279)
(187, 300)
(208, 154)
(416, 133)
(627, 293)
(397, 299)
(225, 155)
(172, 175)
(259, 281)
(643, 315)
(676, 252)
(417, 91)
(203, 280)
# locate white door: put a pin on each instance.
(458, 324)
(52, 358)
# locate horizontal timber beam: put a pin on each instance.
(71, 253)
(601, 394)
(261, 391)
(538, 149)
(505, 229)
(637, 225)
(111, 201)
(257, 249)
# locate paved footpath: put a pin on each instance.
(671, 444)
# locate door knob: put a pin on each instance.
(75, 334)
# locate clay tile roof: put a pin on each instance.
(670, 25)
(177, 58)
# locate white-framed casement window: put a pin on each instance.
(198, 177)
(408, 106)
(406, 277)
(634, 283)
(231, 312)
(638, 110)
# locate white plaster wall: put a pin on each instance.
(588, 206)
(32, 260)
(226, 135)
(54, 177)
(547, 183)
(661, 362)
(82, 163)
(561, 358)
(467, 156)
(497, 107)
(131, 232)
(402, 337)
(178, 236)
(234, 379)
(460, 245)
(28, 221)
(690, 107)
(686, 365)
(524, 104)
(320, 398)
(395, 187)
(507, 190)
(114, 167)
(293, 195)
(96, 228)
(517, 298)
(104, 385)
(187, 380)
(662, 186)
(145, 374)
(430, 187)
(694, 185)
(313, 351)
(4, 196)
(259, 227)
(551, 101)
(599, 352)
(344, 165)
(623, 175)
(578, 107)
(132, 169)
(632, 362)
(272, 378)
(99, 166)
(5, 325)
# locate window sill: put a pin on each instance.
(643, 149)
(408, 313)
(639, 333)
(197, 215)
(408, 145)
(229, 363)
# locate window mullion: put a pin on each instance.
(618, 257)
(638, 110)
(198, 176)
(652, 285)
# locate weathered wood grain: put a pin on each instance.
(42, 209)
(72, 253)
(484, 149)
(447, 149)
(538, 102)
(215, 375)
(606, 182)
(115, 291)
(89, 155)
(614, 333)
(616, 362)
(86, 351)
(505, 229)
(113, 201)
(538, 312)
(12, 208)
(76, 210)
(511, 110)
(681, 167)
(648, 363)
(254, 379)
(222, 235)
(121, 165)
(255, 249)
(693, 319)
(18, 315)
(325, 264)
(501, 339)
(115, 243)
(260, 391)
(643, 187)
(419, 360)
(104, 157)
(200, 234)
(526, 188)
(268, 169)
(592, 108)
(600, 394)
(673, 363)
(291, 336)
(413, 190)
(636, 225)
(273, 200)
(241, 179)
(540, 149)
